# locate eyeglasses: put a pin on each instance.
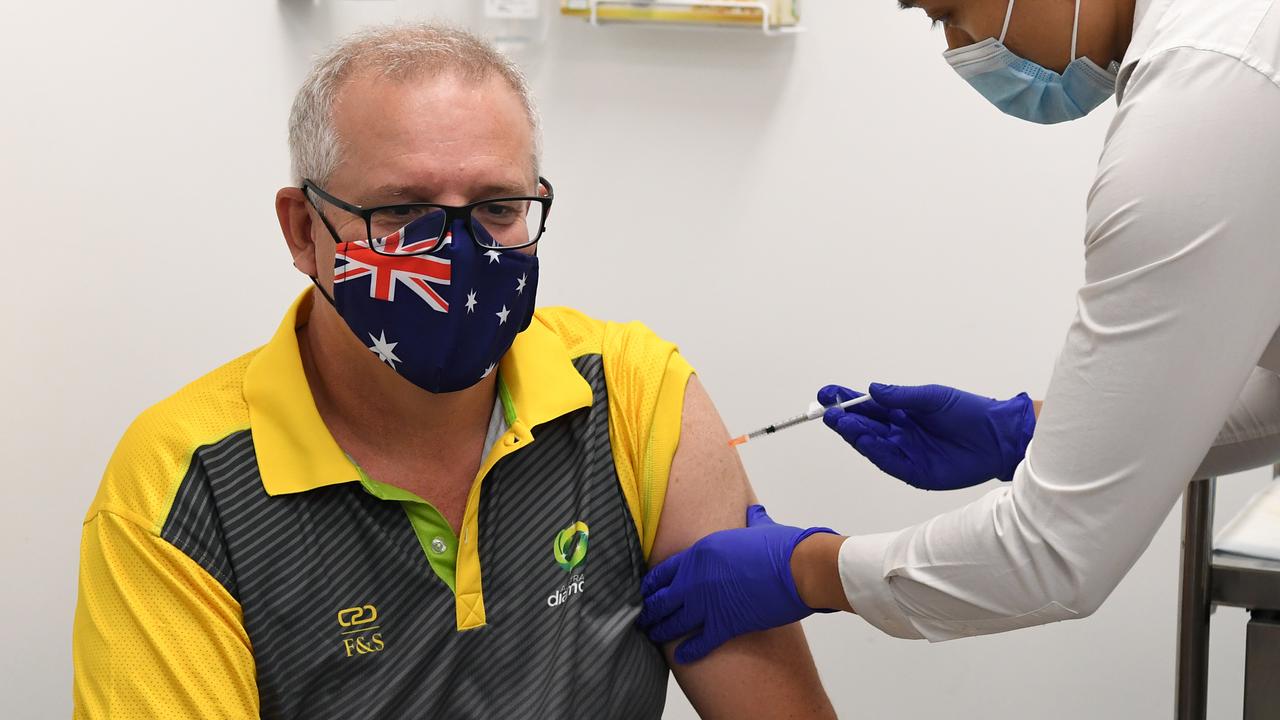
(505, 223)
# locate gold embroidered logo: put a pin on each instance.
(361, 615)
(359, 636)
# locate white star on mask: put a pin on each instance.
(487, 371)
(384, 350)
(493, 256)
(520, 284)
(471, 301)
(502, 316)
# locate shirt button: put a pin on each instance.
(438, 546)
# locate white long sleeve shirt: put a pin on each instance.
(1174, 348)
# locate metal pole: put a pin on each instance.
(1262, 666)
(1193, 601)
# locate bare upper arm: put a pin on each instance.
(761, 675)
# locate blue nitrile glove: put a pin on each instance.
(728, 583)
(932, 436)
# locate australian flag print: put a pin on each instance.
(440, 311)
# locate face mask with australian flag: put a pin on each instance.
(442, 316)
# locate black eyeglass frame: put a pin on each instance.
(450, 213)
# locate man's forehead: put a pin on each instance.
(408, 133)
(419, 99)
(376, 82)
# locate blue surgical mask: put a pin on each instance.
(1023, 89)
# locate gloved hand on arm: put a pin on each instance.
(728, 583)
(932, 436)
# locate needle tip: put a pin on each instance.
(738, 441)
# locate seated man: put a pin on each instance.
(400, 507)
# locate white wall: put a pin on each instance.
(832, 207)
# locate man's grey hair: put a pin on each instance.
(401, 52)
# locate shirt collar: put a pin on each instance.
(1146, 20)
(296, 453)
(537, 379)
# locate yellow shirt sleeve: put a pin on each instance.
(647, 377)
(155, 635)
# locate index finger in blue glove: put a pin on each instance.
(661, 575)
(915, 398)
(696, 648)
(870, 409)
(658, 606)
(832, 394)
(851, 427)
(835, 394)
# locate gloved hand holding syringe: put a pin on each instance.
(814, 412)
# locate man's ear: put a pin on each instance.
(295, 222)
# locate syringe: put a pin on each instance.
(812, 414)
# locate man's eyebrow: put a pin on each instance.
(504, 190)
(394, 192)
(399, 193)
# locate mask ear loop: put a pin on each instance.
(323, 292)
(314, 280)
(1008, 13)
(1075, 27)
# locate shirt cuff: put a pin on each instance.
(862, 576)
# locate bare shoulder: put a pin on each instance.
(766, 674)
(708, 488)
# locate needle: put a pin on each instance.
(813, 414)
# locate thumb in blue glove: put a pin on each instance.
(933, 436)
(728, 583)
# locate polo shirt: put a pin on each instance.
(236, 562)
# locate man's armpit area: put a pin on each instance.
(767, 674)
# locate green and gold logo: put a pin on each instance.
(570, 547)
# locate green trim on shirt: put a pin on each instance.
(438, 541)
(508, 406)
